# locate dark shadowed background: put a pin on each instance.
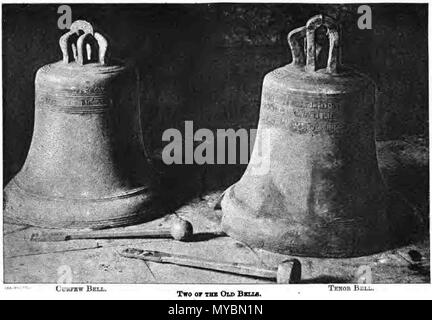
(206, 63)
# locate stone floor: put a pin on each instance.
(98, 261)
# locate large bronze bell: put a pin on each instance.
(86, 166)
(322, 193)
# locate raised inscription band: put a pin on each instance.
(75, 103)
(301, 116)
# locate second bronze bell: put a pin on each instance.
(319, 191)
(86, 166)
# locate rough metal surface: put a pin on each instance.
(206, 62)
(403, 164)
(323, 195)
(86, 166)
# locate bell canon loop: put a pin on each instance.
(86, 166)
(322, 194)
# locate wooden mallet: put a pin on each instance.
(289, 271)
(180, 229)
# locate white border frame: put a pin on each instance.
(168, 291)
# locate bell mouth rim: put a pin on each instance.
(238, 217)
(131, 193)
(21, 208)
